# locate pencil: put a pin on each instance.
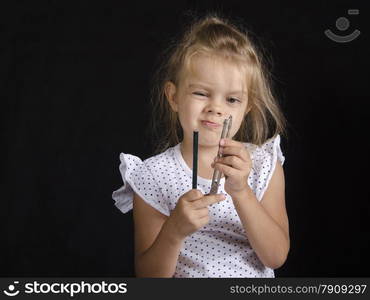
(195, 159)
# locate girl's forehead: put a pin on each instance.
(215, 70)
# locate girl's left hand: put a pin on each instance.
(235, 164)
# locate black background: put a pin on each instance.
(74, 92)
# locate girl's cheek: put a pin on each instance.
(236, 126)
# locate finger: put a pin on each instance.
(204, 218)
(227, 170)
(208, 200)
(202, 212)
(193, 195)
(240, 151)
(233, 161)
(229, 142)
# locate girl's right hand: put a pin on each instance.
(191, 212)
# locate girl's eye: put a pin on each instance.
(200, 94)
(233, 100)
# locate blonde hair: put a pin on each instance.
(213, 35)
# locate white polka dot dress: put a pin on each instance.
(220, 248)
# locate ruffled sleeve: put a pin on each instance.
(266, 158)
(138, 178)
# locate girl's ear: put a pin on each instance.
(170, 91)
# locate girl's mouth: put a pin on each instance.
(209, 124)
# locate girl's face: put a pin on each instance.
(213, 90)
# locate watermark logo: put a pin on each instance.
(342, 24)
(12, 292)
(69, 288)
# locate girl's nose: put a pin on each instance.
(218, 112)
(215, 107)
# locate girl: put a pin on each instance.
(212, 73)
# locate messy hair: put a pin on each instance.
(220, 38)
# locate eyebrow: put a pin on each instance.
(207, 86)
